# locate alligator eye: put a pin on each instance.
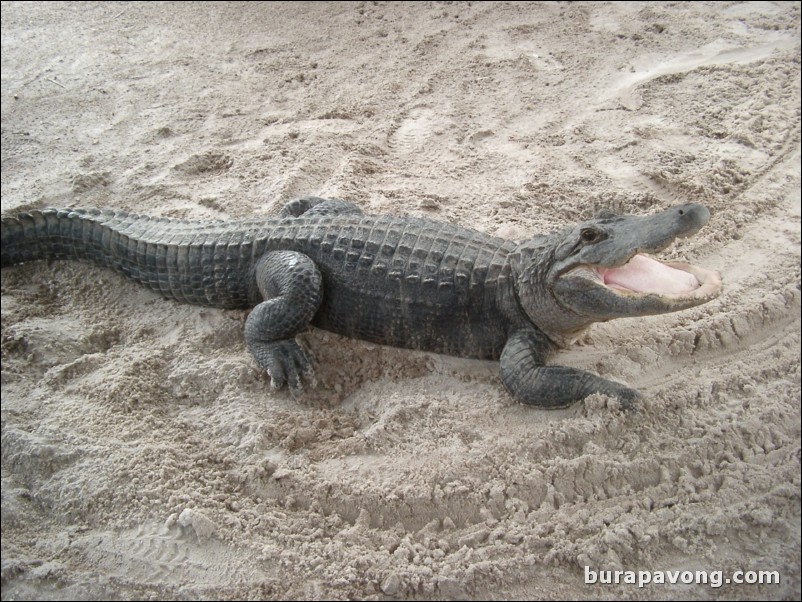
(590, 235)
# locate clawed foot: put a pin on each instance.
(630, 399)
(286, 362)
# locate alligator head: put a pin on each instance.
(601, 269)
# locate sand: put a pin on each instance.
(143, 454)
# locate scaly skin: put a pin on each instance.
(399, 281)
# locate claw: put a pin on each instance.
(630, 399)
(276, 381)
(286, 362)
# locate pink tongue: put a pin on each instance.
(645, 275)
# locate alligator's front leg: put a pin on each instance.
(292, 288)
(528, 379)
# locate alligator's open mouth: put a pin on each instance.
(643, 275)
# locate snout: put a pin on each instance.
(689, 218)
(654, 233)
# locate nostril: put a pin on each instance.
(681, 212)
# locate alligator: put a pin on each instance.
(394, 280)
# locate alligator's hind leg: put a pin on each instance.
(292, 288)
(310, 206)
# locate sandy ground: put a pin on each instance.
(143, 455)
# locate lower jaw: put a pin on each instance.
(709, 282)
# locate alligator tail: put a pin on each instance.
(197, 270)
(82, 234)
